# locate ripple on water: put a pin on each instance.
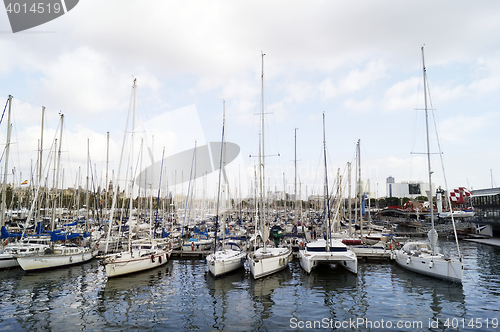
(182, 295)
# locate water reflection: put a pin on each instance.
(265, 293)
(45, 300)
(440, 299)
(489, 265)
(228, 301)
(182, 296)
(133, 300)
(333, 293)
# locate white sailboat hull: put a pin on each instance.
(8, 260)
(263, 263)
(315, 254)
(125, 263)
(431, 265)
(50, 261)
(225, 261)
(25, 247)
(310, 260)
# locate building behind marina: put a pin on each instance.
(486, 204)
(410, 189)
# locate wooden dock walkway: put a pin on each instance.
(193, 254)
(489, 241)
(202, 254)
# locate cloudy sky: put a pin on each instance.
(358, 62)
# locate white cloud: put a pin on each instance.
(354, 81)
(487, 85)
(402, 95)
(359, 106)
(328, 89)
(84, 82)
(357, 79)
(321, 57)
(299, 91)
(461, 128)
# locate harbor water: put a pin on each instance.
(182, 296)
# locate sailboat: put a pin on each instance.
(229, 257)
(421, 256)
(143, 254)
(7, 254)
(329, 250)
(62, 252)
(200, 240)
(25, 246)
(265, 260)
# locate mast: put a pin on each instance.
(158, 197)
(349, 200)
(131, 202)
(151, 183)
(141, 206)
(262, 160)
(431, 205)
(256, 206)
(41, 149)
(295, 189)
(57, 170)
(336, 222)
(107, 163)
(77, 200)
(220, 173)
(284, 198)
(87, 183)
(7, 148)
(115, 190)
(360, 193)
(327, 201)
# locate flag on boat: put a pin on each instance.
(458, 195)
(24, 182)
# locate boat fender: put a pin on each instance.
(159, 259)
(171, 244)
(192, 246)
(153, 258)
(431, 265)
(390, 246)
(408, 260)
(6, 241)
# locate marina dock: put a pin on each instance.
(193, 254)
(489, 241)
(365, 252)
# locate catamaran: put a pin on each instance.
(329, 250)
